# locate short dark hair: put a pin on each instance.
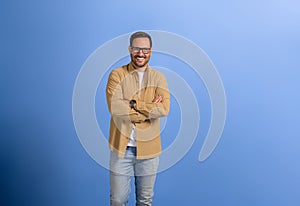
(140, 34)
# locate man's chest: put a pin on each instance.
(135, 87)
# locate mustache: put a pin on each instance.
(139, 55)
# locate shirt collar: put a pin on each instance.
(131, 68)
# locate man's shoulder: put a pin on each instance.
(119, 72)
(122, 69)
(155, 72)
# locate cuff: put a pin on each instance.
(140, 105)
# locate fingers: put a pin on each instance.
(158, 99)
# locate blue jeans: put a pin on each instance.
(121, 172)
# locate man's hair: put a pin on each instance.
(140, 34)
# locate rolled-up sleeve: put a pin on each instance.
(117, 105)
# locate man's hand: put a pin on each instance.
(157, 99)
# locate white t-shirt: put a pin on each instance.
(132, 138)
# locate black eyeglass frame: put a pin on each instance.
(138, 49)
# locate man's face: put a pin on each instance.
(140, 52)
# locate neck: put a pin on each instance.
(140, 69)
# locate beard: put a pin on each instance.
(139, 60)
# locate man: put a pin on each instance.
(137, 96)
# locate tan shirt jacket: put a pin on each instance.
(123, 86)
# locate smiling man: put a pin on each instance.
(137, 96)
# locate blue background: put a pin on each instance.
(255, 47)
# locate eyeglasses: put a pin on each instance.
(138, 49)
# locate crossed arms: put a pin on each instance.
(142, 111)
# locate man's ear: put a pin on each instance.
(129, 49)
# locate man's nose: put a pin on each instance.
(140, 51)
